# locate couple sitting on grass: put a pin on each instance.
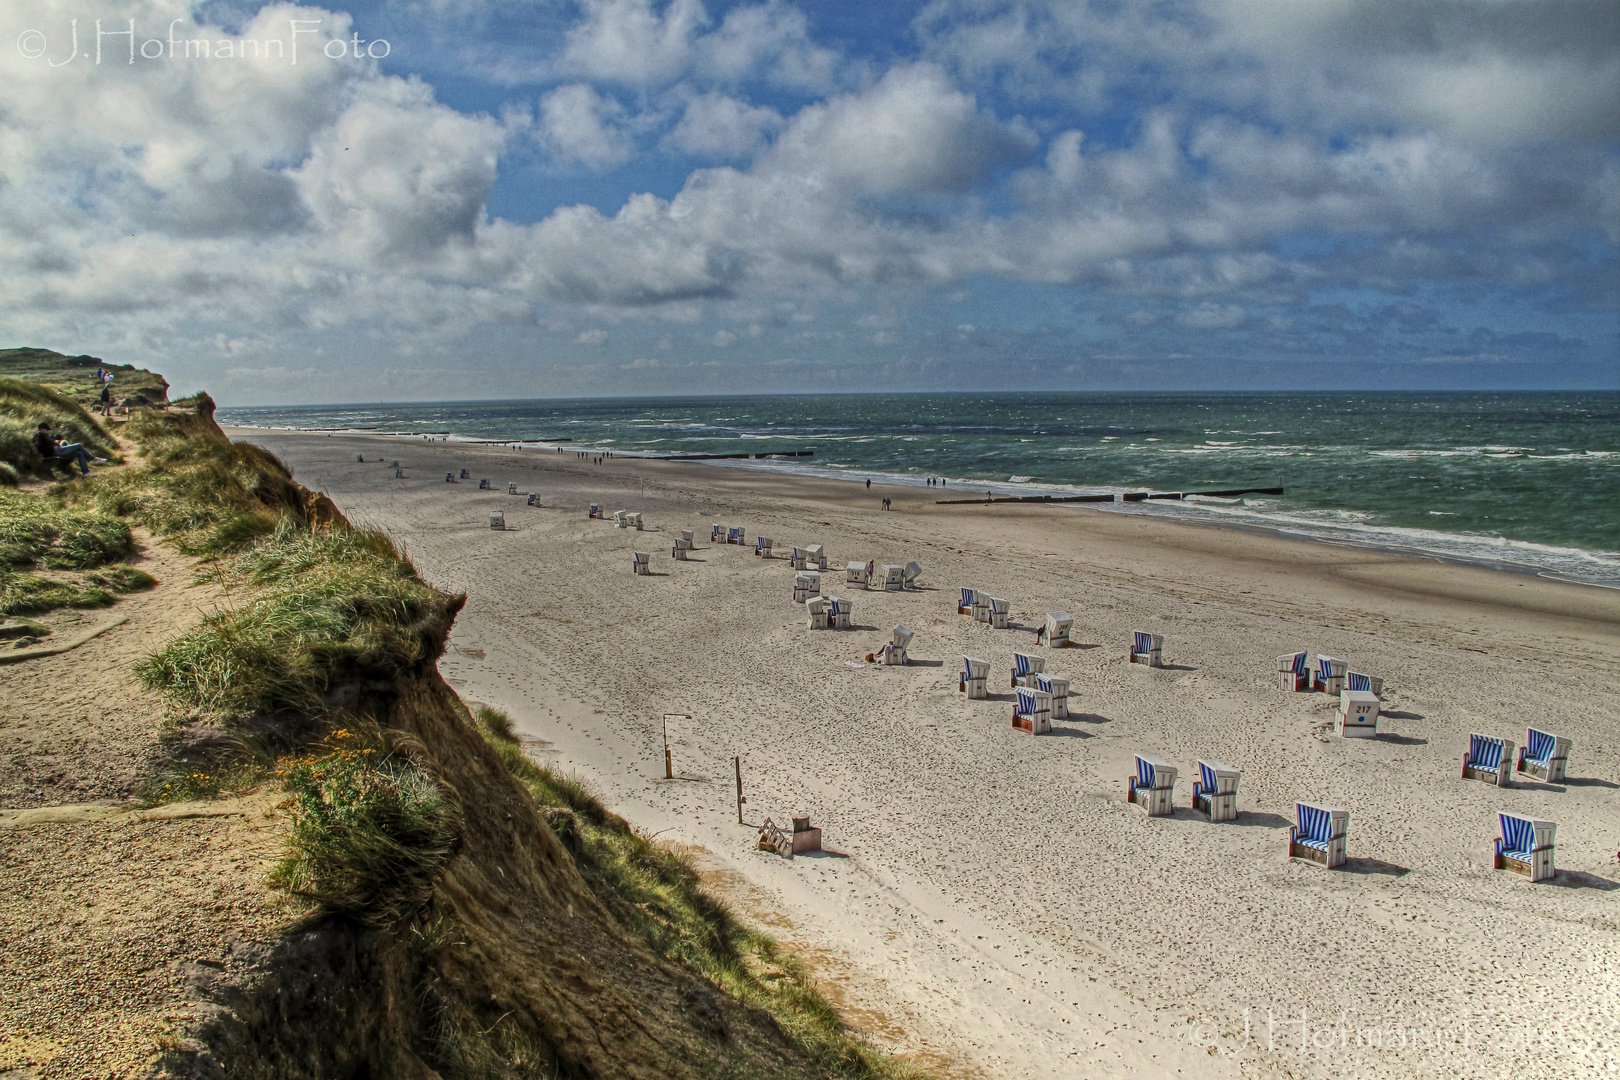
(51, 447)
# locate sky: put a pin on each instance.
(432, 199)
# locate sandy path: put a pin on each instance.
(996, 896)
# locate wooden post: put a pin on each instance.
(737, 762)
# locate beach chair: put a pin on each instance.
(806, 837)
(816, 556)
(686, 534)
(449, 478)
(680, 549)
(511, 487)
(394, 464)
(1526, 846)
(966, 606)
(497, 519)
(621, 519)
(796, 558)
(998, 613)
(1032, 712)
(734, 535)
(1354, 680)
(1328, 675)
(762, 546)
(1320, 835)
(465, 475)
(972, 678)
(909, 575)
(399, 474)
(839, 611)
(1544, 756)
(641, 563)
(717, 533)
(1215, 791)
(1294, 671)
(1059, 689)
(1357, 717)
(635, 520)
(855, 574)
(817, 607)
(889, 578)
(1488, 759)
(1055, 634)
(894, 653)
(806, 585)
(360, 458)
(981, 606)
(596, 511)
(1147, 649)
(483, 485)
(1153, 788)
(1025, 665)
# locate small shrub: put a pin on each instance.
(370, 828)
(121, 578)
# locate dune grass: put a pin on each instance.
(37, 531)
(658, 894)
(23, 405)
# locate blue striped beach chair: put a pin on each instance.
(1320, 835)
(1488, 759)
(998, 611)
(1147, 649)
(449, 478)
(1328, 675)
(1032, 712)
(642, 563)
(1545, 756)
(1355, 680)
(717, 533)
(838, 611)
(596, 511)
(483, 485)
(1153, 786)
(734, 535)
(1215, 791)
(465, 475)
(1025, 665)
(762, 546)
(972, 680)
(1058, 688)
(1293, 671)
(966, 606)
(1526, 846)
(1055, 634)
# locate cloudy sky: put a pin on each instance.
(531, 198)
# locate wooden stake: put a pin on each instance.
(737, 762)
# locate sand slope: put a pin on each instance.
(992, 892)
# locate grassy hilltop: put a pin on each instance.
(75, 376)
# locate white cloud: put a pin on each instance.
(578, 126)
(718, 126)
(628, 41)
(596, 336)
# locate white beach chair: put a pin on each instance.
(596, 511)
(1032, 712)
(972, 678)
(1024, 666)
(497, 519)
(839, 611)
(816, 556)
(687, 535)
(1147, 649)
(1355, 680)
(483, 485)
(854, 573)
(889, 577)
(981, 606)
(1321, 834)
(796, 558)
(1215, 791)
(511, 487)
(762, 546)
(817, 607)
(1526, 846)
(680, 549)
(1489, 759)
(966, 606)
(1055, 634)
(909, 575)
(1545, 756)
(399, 474)
(449, 478)
(642, 563)
(1153, 788)
(635, 520)
(1059, 689)
(717, 533)
(1328, 675)
(1357, 717)
(734, 535)
(894, 653)
(998, 613)
(619, 519)
(805, 585)
(1293, 671)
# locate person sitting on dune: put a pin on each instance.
(50, 447)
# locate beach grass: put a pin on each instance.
(23, 406)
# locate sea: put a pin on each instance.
(1524, 482)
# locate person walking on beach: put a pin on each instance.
(868, 483)
(49, 447)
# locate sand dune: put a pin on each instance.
(991, 893)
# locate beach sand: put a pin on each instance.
(989, 902)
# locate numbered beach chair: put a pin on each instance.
(596, 510)
(806, 585)
(889, 578)
(1215, 791)
(1024, 666)
(1489, 759)
(1293, 671)
(1545, 756)
(483, 485)
(1355, 680)
(1526, 846)
(855, 574)
(1055, 634)
(817, 607)
(894, 653)
(621, 518)
(634, 518)
(1032, 712)
(972, 678)
(1320, 835)
(966, 606)
(839, 611)
(1059, 689)
(1147, 649)
(734, 535)
(1153, 788)
(762, 546)
(816, 556)
(497, 519)
(1357, 716)
(909, 575)
(1328, 675)
(717, 534)
(998, 610)
(641, 563)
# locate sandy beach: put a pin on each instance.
(990, 902)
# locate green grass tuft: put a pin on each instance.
(29, 594)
